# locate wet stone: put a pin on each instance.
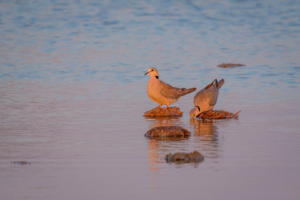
(229, 65)
(168, 131)
(184, 157)
(220, 114)
(168, 139)
(161, 112)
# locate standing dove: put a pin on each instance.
(163, 93)
(206, 99)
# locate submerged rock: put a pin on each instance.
(21, 163)
(161, 112)
(228, 65)
(220, 114)
(184, 157)
(168, 131)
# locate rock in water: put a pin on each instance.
(21, 163)
(220, 114)
(161, 112)
(184, 157)
(168, 131)
(229, 65)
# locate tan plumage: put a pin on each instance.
(163, 93)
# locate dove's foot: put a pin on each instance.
(204, 113)
(201, 115)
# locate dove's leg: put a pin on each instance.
(166, 107)
(158, 106)
(206, 112)
(201, 115)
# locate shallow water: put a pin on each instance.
(73, 94)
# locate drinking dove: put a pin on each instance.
(206, 99)
(163, 93)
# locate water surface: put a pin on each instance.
(73, 94)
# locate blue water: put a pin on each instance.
(73, 95)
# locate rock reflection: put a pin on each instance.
(206, 137)
(162, 121)
(159, 147)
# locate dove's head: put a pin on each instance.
(152, 72)
(195, 112)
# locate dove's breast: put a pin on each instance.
(154, 92)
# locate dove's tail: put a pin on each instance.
(187, 91)
(212, 84)
(218, 84)
(221, 82)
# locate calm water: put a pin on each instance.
(73, 92)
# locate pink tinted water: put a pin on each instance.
(73, 94)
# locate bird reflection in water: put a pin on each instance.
(206, 137)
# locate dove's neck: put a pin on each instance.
(154, 76)
(154, 79)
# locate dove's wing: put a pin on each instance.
(209, 95)
(171, 92)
